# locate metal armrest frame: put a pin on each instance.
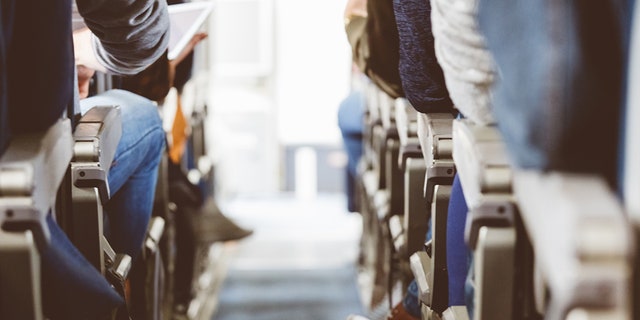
(481, 160)
(494, 269)
(96, 138)
(430, 270)
(486, 178)
(416, 212)
(434, 132)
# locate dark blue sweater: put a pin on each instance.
(420, 73)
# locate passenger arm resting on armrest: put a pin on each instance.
(128, 35)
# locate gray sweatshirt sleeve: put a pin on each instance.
(129, 35)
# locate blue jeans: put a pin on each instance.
(458, 262)
(72, 288)
(134, 171)
(459, 257)
(351, 123)
(561, 67)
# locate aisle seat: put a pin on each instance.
(31, 170)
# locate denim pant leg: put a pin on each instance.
(457, 251)
(353, 146)
(411, 300)
(71, 287)
(561, 65)
(351, 122)
(133, 173)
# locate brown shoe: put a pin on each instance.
(399, 313)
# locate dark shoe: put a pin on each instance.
(399, 313)
(181, 191)
(210, 225)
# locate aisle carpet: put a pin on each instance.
(299, 264)
(289, 294)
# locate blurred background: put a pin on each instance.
(278, 72)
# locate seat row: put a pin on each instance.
(466, 191)
(57, 257)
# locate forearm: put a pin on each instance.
(128, 35)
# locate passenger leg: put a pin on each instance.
(71, 287)
(411, 301)
(133, 174)
(351, 122)
(457, 251)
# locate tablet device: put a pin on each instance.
(186, 19)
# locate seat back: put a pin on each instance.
(35, 144)
(31, 169)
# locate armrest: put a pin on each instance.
(456, 313)
(494, 273)
(96, 138)
(434, 134)
(481, 160)
(421, 265)
(416, 212)
(580, 238)
(409, 149)
(31, 171)
(406, 120)
(493, 210)
(486, 176)
(398, 234)
(373, 104)
(387, 109)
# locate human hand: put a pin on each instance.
(84, 79)
(83, 50)
(188, 48)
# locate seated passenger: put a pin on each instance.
(469, 74)
(466, 80)
(154, 83)
(199, 221)
(424, 86)
(126, 50)
(40, 79)
(373, 36)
